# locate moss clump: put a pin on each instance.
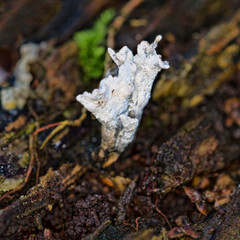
(91, 44)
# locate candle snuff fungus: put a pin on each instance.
(119, 101)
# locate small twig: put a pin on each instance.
(112, 158)
(119, 21)
(125, 201)
(116, 26)
(61, 125)
(78, 122)
(33, 113)
(137, 224)
(46, 127)
(38, 166)
(100, 229)
(162, 214)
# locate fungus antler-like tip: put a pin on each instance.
(163, 64)
(79, 98)
(114, 57)
(158, 38)
(166, 65)
(111, 51)
(156, 41)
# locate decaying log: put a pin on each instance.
(203, 145)
(26, 213)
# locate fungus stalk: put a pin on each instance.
(119, 101)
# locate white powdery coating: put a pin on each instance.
(16, 96)
(119, 101)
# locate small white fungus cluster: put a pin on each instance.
(119, 101)
(16, 96)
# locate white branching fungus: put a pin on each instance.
(119, 101)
